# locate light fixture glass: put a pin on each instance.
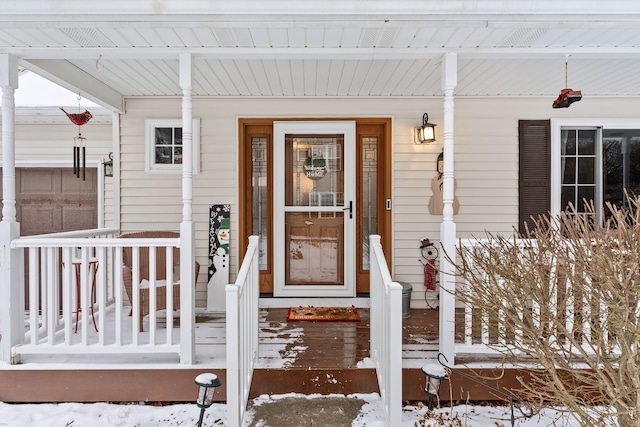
(207, 384)
(108, 165)
(435, 374)
(426, 133)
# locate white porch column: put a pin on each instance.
(449, 82)
(187, 247)
(11, 282)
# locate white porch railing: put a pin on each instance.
(477, 335)
(481, 331)
(386, 332)
(242, 333)
(75, 279)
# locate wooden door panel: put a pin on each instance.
(38, 218)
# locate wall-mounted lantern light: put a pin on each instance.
(426, 133)
(108, 165)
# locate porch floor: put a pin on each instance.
(282, 344)
(338, 344)
(303, 357)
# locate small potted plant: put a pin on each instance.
(315, 167)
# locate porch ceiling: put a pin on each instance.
(368, 48)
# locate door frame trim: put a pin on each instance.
(245, 205)
(318, 127)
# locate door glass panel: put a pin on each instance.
(259, 194)
(314, 239)
(315, 174)
(314, 248)
(369, 193)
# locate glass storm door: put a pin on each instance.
(314, 208)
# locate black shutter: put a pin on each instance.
(534, 180)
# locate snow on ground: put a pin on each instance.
(371, 415)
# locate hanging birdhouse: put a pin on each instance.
(567, 96)
(79, 143)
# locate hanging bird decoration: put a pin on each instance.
(567, 96)
(79, 143)
(78, 118)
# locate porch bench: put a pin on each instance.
(160, 276)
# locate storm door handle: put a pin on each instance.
(350, 209)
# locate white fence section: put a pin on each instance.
(478, 327)
(76, 300)
(481, 331)
(242, 333)
(386, 332)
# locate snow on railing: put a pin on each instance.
(242, 333)
(76, 299)
(386, 332)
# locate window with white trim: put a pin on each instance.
(596, 164)
(164, 146)
(579, 161)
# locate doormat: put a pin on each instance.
(323, 314)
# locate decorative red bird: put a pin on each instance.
(79, 118)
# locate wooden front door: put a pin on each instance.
(314, 199)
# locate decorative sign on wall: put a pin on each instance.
(218, 271)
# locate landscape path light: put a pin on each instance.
(523, 406)
(207, 384)
(435, 374)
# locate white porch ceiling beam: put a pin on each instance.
(63, 73)
(152, 9)
(43, 55)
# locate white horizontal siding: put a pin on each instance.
(486, 164)
(54, 142)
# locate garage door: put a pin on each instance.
(50, 200)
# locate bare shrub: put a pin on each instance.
(565, 299)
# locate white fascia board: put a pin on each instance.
(53, 115)
(74, 79)
(286, 9)
(43, 56)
